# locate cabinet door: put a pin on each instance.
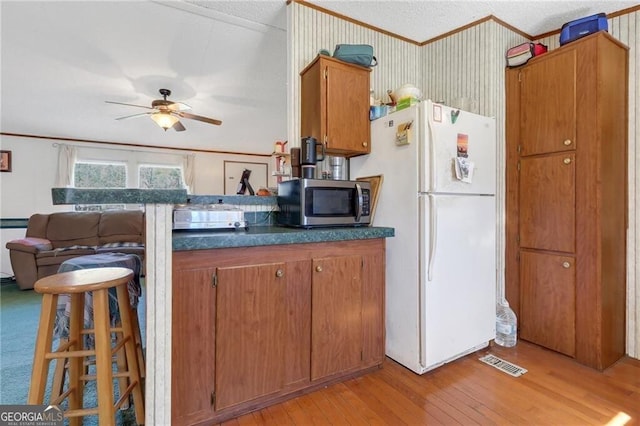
(547, 202)
(547, 301)
(373, 308)
(251, 330)
(548, 105)
(193, 345)
(336, 315)
(348, 126)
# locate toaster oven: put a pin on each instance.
(208, 216)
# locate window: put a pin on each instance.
(160, 177)
(99, 175)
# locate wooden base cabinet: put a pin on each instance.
(566, 204)
(254, 326)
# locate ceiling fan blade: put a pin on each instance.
(142, 114)
(179, 106)
(199, 118)
(178, 127)
(121, 103)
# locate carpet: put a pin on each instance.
(19, 316)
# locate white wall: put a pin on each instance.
(27, 189)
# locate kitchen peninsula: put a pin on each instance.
(236, 307)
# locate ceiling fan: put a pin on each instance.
(167, 113)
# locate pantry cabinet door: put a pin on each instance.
(548, 301)
(548, 202)
(548, 105)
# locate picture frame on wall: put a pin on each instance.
(234, 171)
(5, 161)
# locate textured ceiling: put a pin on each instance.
(227, 59)
(421, 20)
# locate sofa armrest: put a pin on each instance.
(30, 245)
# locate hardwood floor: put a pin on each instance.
(555, 391)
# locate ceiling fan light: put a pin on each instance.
(164, 120)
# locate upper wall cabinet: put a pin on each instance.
(335, 106)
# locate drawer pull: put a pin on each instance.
(279, 273)
(567, 142)
(567, 161)
(318, 268)
(566, 265)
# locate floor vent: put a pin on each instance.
(500, 364)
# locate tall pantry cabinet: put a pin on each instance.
(567, 198)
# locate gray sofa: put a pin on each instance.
(53, 238)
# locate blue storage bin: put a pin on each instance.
(579, 28)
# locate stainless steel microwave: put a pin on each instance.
(309, 203)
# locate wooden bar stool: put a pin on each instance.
(76, 284)
(61, 329)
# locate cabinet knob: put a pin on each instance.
(279, 273)
(318, 268)
(567, 142)
(567, 161)
(365, 144)
(566, 265)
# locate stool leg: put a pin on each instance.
(123, 382)
(104, 369)
(136, 329)
(130, 350)
(76, 363)
(44, 338)
(58, 374)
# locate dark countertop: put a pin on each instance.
(118, 196)
(272, 235)
(200, 240)
(151, 196)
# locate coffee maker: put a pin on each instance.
(309, 156)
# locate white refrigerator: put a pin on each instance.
(438, 192)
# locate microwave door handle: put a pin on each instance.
(359, 202)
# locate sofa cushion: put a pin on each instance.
(73, 228)
(37, 226)
(121, 226)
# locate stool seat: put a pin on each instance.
(76, 284)
(83, 280)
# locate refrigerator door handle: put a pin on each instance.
(432, 148)
(433, 235)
